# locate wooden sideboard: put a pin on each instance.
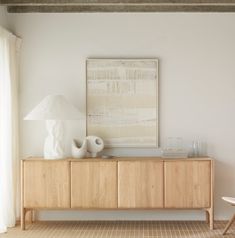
(118, 183)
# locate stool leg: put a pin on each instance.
(229, 224)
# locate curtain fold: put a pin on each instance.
(9, 136)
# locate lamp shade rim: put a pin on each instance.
(54, 107)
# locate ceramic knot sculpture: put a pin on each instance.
(91, 144)
(79, 149)
(94, 145)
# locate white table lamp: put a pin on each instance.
(54, 109)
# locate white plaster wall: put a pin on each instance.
(3, 17)
(197, 83)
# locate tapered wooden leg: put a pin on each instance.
(229, 224)
(22, 219)
(33, 215)
(211, 215)
(23, 210)
(207, 217)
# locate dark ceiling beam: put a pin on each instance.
(121, 8)
(110, 2)
(24, 6)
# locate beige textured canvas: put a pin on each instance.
(122, 101)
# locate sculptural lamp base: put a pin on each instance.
(54, 143)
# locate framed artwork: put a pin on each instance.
(122, 101)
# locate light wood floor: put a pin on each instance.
(120, 229)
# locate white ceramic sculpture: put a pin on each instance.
(94, 145)
(79, 150)
(54, 142)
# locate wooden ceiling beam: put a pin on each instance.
(122, 8)
(110, 2)
(24, 6)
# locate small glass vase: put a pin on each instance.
(196, 146)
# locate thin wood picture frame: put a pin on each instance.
(120, 91)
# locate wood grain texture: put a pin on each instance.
(24, 6)
(118, 183)
(94, 185)
(112, 159)
(187, 184)
(211, 209)
(46, 184)
(129, 2)
(140, 184)
(22, 210)
(121, 8)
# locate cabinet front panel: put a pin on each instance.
(187, 184)
(46, 184)
(140, 184)
(94, 184)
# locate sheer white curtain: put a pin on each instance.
(9, 156)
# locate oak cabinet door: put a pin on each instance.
(94, 184)
(140, 184)
(187, 184)
(46, 184)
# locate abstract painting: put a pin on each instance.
(122, 101)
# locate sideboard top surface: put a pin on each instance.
(115, 159)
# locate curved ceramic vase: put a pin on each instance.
(94, 145)
(79, 150)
